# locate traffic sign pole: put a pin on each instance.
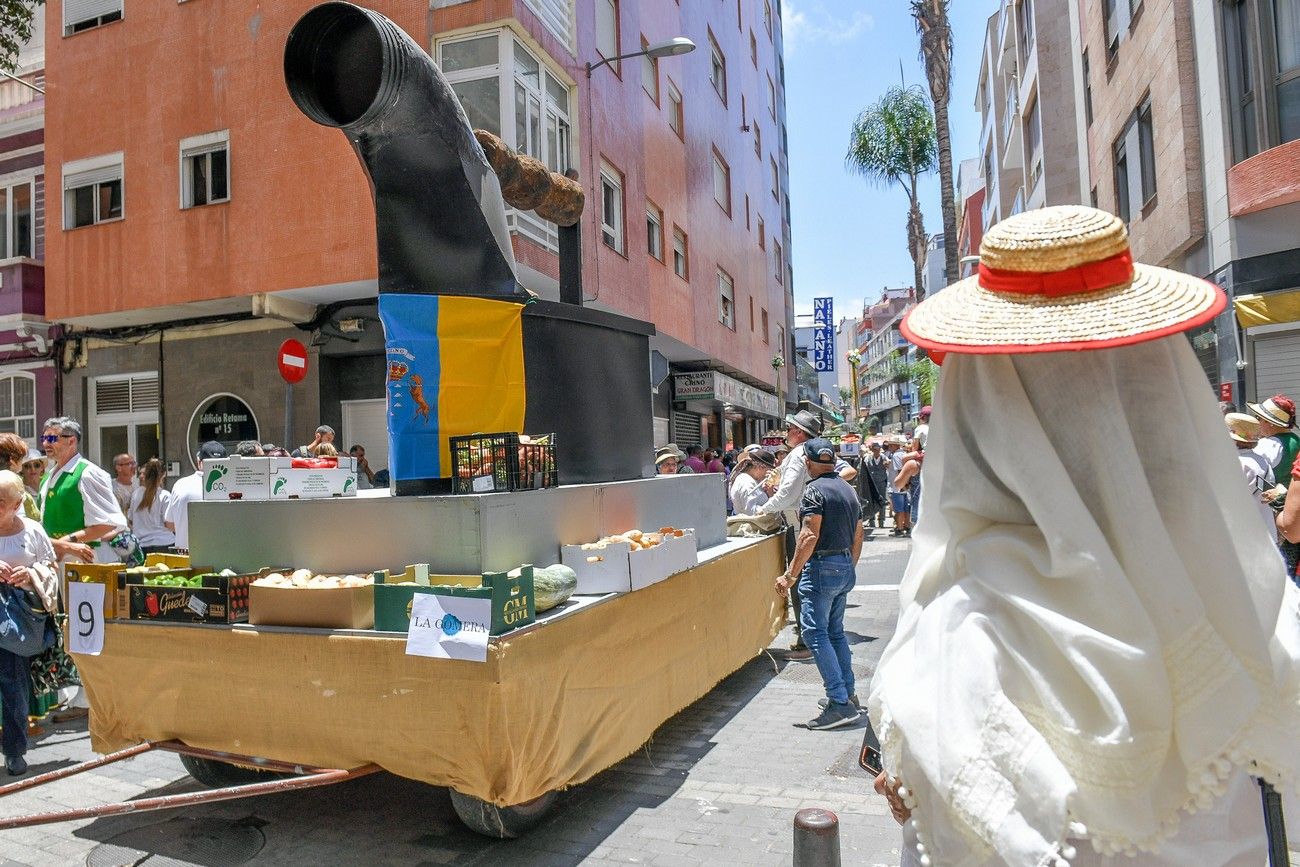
(292, 363)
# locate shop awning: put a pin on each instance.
(1275, 308)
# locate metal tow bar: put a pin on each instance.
(305, 777)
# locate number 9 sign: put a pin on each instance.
(85, 607)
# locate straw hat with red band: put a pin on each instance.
(1056, 279)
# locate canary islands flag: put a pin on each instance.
(455, 367)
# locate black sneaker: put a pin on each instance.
(15, 765)
(853, 700)
(834, 716)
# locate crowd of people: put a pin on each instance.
(56, 506)
(828, 506)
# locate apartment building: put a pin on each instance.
(970, 215)
(1026, 97)
(1248, 77)
(882, 384)
(28, 373)
(202, 219)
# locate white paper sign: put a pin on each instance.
(85, 618)
(449, 627)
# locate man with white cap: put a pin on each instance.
(1096, 645)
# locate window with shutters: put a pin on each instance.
(681, 254)
(676, 114)
(721, 182)
(717, 68)
(124, 417)
(649, 73)
(726, 300)
(92, 191)
(557, 15)
(18, 405)
(611, 207)
(654, 231)
(607, 40)
(205, 169)
(79, 15)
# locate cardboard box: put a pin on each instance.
(238, 478)
(326, 608)
(108, 574)
(288, 482)
(221, 599)
(513, 602)
(172, 561)
(617, 568)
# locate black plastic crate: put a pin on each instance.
(490, 463)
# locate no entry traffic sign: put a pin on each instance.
(292, 361)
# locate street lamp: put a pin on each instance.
(670, 48)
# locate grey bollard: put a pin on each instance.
(816, 838)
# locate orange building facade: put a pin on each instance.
(196, 218)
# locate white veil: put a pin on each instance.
(1094, 628)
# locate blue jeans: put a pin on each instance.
(824, 586)
(15, 699)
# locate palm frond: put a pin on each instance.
(893, 141)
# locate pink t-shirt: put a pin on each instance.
(695, 464)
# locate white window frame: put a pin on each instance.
(611, 231)
(685, 253)
(90, 10)
(131, 419)
(609, 51)
(758, 141)
(676, 111)
(649, 73)
(558, 145)
(717, 68)
(92, 171)
(9, 379)
(199, 146)
(654, 220)
(726, 299)
(779, 255)
(771, 97)
(721, 182)
(776, 179)
(25, 178)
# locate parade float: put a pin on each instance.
(317, 634)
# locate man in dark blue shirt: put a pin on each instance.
(830, 541)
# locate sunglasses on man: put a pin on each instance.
(54, 438)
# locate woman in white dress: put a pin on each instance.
(1097, 646)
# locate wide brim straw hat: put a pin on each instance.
(1056, 279)
(1241, 427)
(1272, 412)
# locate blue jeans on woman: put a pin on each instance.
(15, 699)
(824, 586)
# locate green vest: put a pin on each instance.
(65, 510)
(1290, 447)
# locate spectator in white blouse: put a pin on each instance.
(148, 507)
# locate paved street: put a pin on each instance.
(718, 784)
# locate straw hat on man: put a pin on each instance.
(1096, 641)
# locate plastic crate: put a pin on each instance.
(495, 462)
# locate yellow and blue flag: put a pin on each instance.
(455, 367)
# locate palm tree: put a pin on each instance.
(893, 142)
(936, 50)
